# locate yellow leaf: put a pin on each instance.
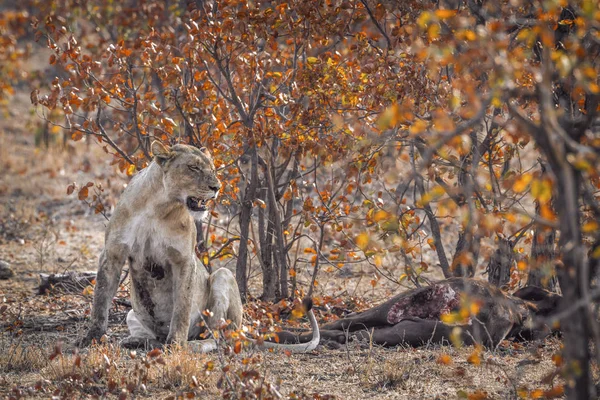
(362, 241)
(525, 34)
(381, 215)
(449, 318)
(88, 291)
(297, 313)
(417, 127)
(312, 60)
(424, 19)
(522, 182)
(470, 35)
(434, 194)
(456, 337)
(433, 32)
(589, 227)
(475, 357)
(378, 261)
(130, 170)
(541, 190)
(388, 118)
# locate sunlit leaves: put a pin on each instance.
(432, 195)
(363, 240)
(590, 227)
(541, 190)
(522, 182)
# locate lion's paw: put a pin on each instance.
(134, 342)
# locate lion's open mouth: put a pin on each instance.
(195, 204)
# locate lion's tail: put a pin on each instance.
(300, 347)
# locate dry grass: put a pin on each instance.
(17, 358)
(108, 368)
(57, 234)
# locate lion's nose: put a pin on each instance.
(215, 188)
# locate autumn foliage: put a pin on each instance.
(418, 139)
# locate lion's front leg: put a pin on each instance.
(107, 282)
(184, 280)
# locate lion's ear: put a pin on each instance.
(161, 153)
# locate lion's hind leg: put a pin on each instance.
(224, 304)
(224, 301)
(139, 335)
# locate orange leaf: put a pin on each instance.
(444, 359)
(556, 391)
(237, 347)
(83, 193)
(445, 13)
(154, 353)
(474, 358)
(522, 182)
(478, 395)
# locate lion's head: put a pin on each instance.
(189, 174)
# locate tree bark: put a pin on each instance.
(241, 267)
(498, 268)
(572, 278)
(543, 253)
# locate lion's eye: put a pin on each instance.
(194, 168)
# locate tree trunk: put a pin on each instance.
(241, 267)
(541, 264)
(498, 268)
(279, 249)
(573, 279)
(269, 277)
(543, 253)
(466, 254)
(465, 257)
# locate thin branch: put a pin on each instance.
(109, 140)
(376, 23)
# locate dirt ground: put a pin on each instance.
(43, 230)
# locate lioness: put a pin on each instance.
(153, 228)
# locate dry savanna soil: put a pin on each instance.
(44, 230)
